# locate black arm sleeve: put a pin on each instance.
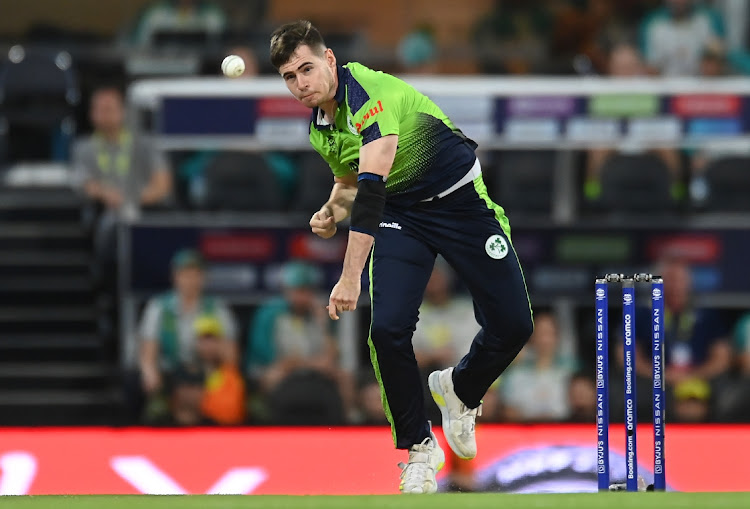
(367, 209)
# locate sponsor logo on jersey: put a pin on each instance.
(373, 111)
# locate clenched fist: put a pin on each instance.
(323, 224)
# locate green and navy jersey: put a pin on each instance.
(432, 154)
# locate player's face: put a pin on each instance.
(310, 77)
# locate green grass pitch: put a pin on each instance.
(440, 501)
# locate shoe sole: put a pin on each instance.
(433, 381)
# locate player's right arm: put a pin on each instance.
(337, 208)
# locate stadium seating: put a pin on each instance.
(38, 94)
(243, 182)
(728, 185)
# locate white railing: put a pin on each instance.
(501, 113)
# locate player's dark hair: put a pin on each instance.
(287, 38)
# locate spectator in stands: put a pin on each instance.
(117, 170)
(577, 31)
(742, 344)
(535, 386)
(582, 398)
(192, 171)
(512, 37)
(369, 401)
(729, 401)
(417, 51)
(290, 335)
(174, 17)
(167, 331)
(446, 324)
(184, 393)
(250, 59)
(692, 401)
(713, 61)
(714, 64)
(697, 338)
(445, 329)
(674, 36)
(626, 62)
(223, 399)
(206, 393)
(114, 167)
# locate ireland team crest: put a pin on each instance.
(496, 247)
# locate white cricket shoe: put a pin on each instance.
(458, 419)
(425, 460)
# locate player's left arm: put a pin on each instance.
(375, 161)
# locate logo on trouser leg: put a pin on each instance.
(395, 226)
(496, 247)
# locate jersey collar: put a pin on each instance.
(316, 118)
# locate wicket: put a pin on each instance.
(602, 378)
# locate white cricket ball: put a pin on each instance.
(233, 66)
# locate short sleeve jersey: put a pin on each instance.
(432, 155)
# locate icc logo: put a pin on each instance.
(656, 294)
(600, 293)
(627, 299)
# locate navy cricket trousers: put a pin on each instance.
(465, 228)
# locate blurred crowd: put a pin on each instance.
(675, 37)
(200, 362)
(60, 94)
(195, 369)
